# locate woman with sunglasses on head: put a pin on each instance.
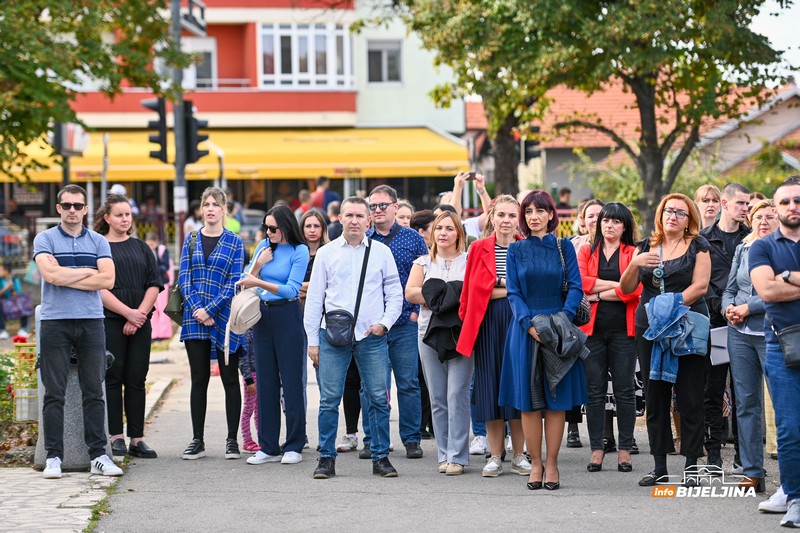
(277, 272)
(211, 262)
(611, 330)
(128, 309)
(744, 310)
(534, 281)
(674, 260)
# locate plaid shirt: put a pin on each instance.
(210, 285)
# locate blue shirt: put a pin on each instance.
(83, 251)
(287, 270)
(778, 253)
(406, 246)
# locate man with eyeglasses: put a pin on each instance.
(75, 264)
(723, 236)
(775, 272)
(406, 246)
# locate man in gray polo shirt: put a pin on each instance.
(75, 264)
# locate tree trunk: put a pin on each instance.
(505, 158)
(651, 172)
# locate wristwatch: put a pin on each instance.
(385, 329)
(598, 297)
(785, 275)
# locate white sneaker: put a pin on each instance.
(52, 469)
(792, 518)
(347, 443)
(3, 335)
(391, 447)
(520, 465)
(478, 446)
(509, 446)
(736, 469)
(775, 504)
(260, 458)
(290, 458)
(22, 332)
(104, 465)
(493, 468)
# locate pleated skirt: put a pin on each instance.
(488, 355)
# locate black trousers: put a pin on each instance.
(716, 378)
(689, 388)
(129, 371)
(199, 353)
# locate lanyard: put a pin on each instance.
(658, 272)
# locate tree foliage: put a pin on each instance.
(685, 63)
(48, 48)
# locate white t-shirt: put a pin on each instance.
(446, 269)
(472, 227)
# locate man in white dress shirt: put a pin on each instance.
(333, 286)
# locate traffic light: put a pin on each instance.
(193, 136)
(159, 106)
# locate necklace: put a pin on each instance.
(658, 272)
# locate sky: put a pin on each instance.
(781, 30)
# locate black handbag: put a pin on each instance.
(340, 325)
(174, 307)
(789, 339)
(583, 313)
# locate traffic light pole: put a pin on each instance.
(180, 201)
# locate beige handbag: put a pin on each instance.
(245, 311)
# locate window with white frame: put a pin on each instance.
(306, 55)
(203, 73)
(384, 61)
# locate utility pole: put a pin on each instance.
(180, 201)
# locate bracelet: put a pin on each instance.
(598, 298)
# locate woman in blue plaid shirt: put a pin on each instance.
(207, 277)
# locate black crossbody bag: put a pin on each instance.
(340, 325)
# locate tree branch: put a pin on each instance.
(619, 141)
(683, 155)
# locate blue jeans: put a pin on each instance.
(372, 359)
(784, 383)
(478, 427)
(747, 354)
(404, 361)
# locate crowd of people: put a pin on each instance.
(494, 325)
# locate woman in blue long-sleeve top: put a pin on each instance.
(534, 282)
(278, 268)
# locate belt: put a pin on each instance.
(274, 303)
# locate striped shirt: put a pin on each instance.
(209, 285)
(500, 253)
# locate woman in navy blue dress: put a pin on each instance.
(534, 282)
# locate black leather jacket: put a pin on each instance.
(720, 269)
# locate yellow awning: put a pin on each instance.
(277, 154)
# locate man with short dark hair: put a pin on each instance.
(775, 272)
(334, 226)
(75, 264)
(334, 282)
(322, 195)
(723, 237)
(564, 197)
(406, 246)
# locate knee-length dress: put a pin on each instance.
(534, 281)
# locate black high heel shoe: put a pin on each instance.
(553, 485)
(536, 485)
(596, 467)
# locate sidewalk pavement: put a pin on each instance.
(214, 494)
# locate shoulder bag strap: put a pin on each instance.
(391, 235)
(361, 283)
(563, 266)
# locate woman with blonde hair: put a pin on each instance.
(435, 283)
(744, 310)
(708, 200)
(675, 260)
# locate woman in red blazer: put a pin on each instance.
(486, 314)
(611, 330)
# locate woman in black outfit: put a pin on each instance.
(128, 307)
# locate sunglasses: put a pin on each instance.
(66, 206)
(382, 206)
(787, 201)
(271, 229)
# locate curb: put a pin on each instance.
(155, 394)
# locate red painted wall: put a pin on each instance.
(230, 46)
(296, 4)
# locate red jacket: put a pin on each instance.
(479, 280)
(588, 263)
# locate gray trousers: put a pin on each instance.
(448, 386)
(88, 337)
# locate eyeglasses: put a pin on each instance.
(680, 215)
(382, 206)
(271, 229)
(787, 201)
(66, 206)
(761, 218)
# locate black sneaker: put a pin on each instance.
(609, 445)
(382, 467)
(714, 459)
(574, 440)
(118, 448)
(634, 448)
(232, 449)
(365, 452)
(413, 450)
(195, 450)
(326, 468)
